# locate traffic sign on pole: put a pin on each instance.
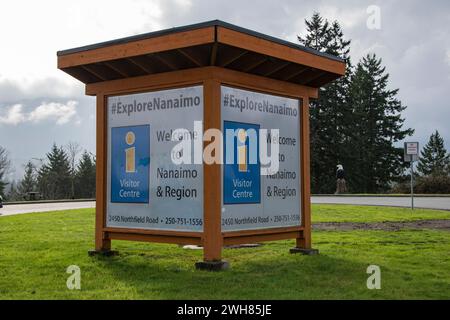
(411, 154)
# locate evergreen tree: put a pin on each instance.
(434, 159)
(28, 183)
(330, 114)
(85, 177)
(317, 36)
(54, 177)
(377, 126)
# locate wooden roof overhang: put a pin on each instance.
(214, 43)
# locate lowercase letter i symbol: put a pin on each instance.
(242, 150)
(130, 158)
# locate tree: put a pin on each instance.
(54, 177)
(85, 177)
(434, 159)
(330, 114)
(317, 36)
(13, 194)
(28, 182)
(5, 166)
(377, 126)
(73, 149)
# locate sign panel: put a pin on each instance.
(411, 151)
(146, 189)
(268, 201)
(241, 179)
(412, 148)
(130, 148)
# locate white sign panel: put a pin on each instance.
(251, 200)
(145, 189)
(412, 148)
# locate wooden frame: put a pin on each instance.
(212, 238)
(212, 33)
(136, 48)
(272, 49)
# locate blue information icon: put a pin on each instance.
(130, 164)
(241, 168)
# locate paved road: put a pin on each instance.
(42, 207)
(428, 202)
(419, 202)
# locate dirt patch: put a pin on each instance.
(386, 226)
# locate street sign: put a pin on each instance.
(411, 154)
(411, 151)
(412, 148)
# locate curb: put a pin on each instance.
(47, 201)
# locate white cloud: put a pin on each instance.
(58, 112)
(50, 26)
(348, 17)
(62, 113)
(16, 90)
(13, 115)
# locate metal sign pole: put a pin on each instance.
(412, 184)
(411, 152)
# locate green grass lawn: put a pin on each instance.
(36, 249)
(349, 213)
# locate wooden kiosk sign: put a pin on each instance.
(164, 89)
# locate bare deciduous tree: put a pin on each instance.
(73, 150)
(5, 167)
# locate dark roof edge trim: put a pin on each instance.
(194, 27)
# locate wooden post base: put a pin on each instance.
(104, 253)
(308, 252)
(212, 265)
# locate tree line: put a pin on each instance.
(433, 169)
(59, 176)
(356, 121)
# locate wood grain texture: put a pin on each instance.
(101, 242)
(181, 78)
(262, 238)
(170, 233)
(305, 241)
(173, 79)
(154, 238)
(273, 49)
(140, 47)
(212, 200)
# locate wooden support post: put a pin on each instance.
(212, 203)
(102, 243)
(303, 243)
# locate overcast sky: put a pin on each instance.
(40, 105)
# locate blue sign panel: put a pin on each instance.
(130, 161)
(241, 168)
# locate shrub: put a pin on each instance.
(432, 184)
